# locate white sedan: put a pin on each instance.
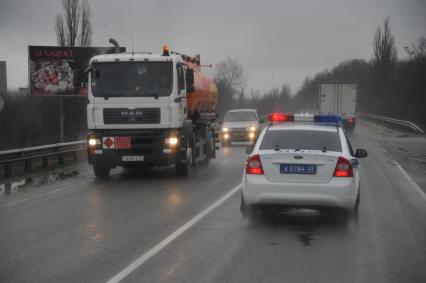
(306, 164)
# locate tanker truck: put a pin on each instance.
(149, 109)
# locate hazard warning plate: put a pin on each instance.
(117, 142)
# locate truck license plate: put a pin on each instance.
(132, 158)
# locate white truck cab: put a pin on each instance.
(138, 114)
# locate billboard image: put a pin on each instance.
(51, 68)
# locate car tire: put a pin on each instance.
(248, 211)
(101, 172)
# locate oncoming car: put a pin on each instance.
(240, 125)
(302, 161)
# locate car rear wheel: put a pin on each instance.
(248, 211)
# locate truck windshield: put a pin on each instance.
(240, 116)
(132, 79)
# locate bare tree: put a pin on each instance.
(72, 18)
(418, 49)
(230, 80)
(384, 46)
(86, 25)
(60, 30)
(231, 74)
(77, 18)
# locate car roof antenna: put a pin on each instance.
(324, 149)
(277, 148)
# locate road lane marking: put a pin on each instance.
(153, 251)
(406, 175)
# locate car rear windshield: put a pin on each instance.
(301, 139)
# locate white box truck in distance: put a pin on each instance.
(341, 99)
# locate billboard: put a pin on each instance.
(51, 68)
(3, 77)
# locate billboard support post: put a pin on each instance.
(61, 120)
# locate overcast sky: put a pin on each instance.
(275, 41)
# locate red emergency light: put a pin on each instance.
(280, 117)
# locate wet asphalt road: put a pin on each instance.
(87, 230)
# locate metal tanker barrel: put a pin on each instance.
(202, 102)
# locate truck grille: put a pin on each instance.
(131, 116)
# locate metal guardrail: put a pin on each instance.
(408, 124)
(7, 157)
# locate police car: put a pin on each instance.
(302, 161)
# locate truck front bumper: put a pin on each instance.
(145, 147)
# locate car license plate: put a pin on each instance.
(123, 142)
(132, 158)
(298, 169)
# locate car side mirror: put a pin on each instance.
(249, 149)
(361, 153)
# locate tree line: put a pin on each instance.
(386, 86)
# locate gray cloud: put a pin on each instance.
(287, 40)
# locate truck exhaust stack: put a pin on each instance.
(116, 45)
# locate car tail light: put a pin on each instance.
(343, 168)
(254, 165)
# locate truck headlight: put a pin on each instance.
(173, 141)
(94, 142)
(225, 130)
(252, 129)
(252, 135)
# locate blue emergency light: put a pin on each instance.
(287, 117)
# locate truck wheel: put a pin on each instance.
(101, 172)
(184, 167)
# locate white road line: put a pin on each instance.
(408, 177)
(153, 251)
(411, 181)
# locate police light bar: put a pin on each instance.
(287, 117)
(280, 117)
